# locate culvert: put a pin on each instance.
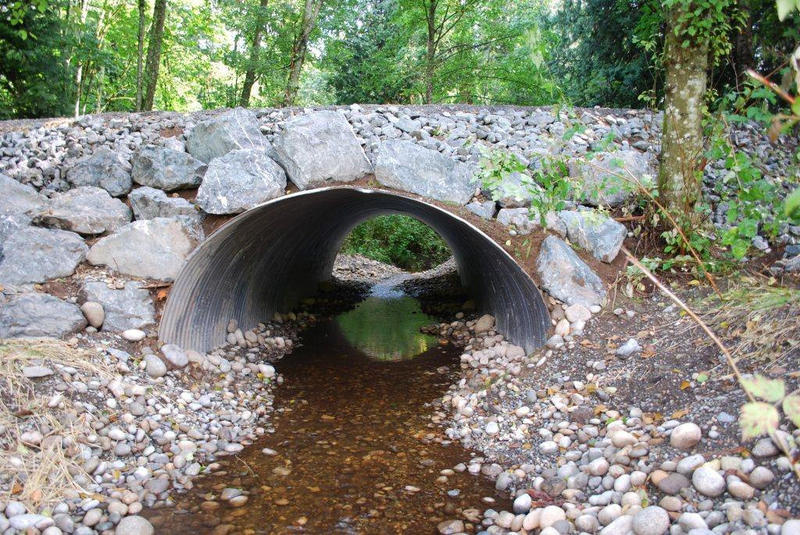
(268, 258)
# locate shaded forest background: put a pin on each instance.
(71, 57)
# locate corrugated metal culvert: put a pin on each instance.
(268, 258)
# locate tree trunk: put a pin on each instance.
(299, 48)
(430, 52)
(743, 43)
(79, 70)
(140, 55)
(255, 49)
(682, 132)
(154, 53)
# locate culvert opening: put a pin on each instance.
(269, 258)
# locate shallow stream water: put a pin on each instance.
(356, 449)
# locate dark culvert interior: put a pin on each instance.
(268, 258)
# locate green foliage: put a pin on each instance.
(398, 240)
(787, 6)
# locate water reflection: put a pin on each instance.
(387, 328)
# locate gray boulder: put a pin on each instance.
(86, 210)
(153, 248)
(166, 169)
(517, 218)
(595, 232)
(105, 169)
(516, 190)
(319, 147)
(239, 181)
(149, 203)
(232, 130)
(33, 314)
(406, 166)
(599, 179)
(33, 254)
(128, 308)
(485, 209)
(12, 223)
(17, 198)
(566, 277)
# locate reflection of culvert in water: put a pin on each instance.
(268, 258)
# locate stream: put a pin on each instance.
(353, 448)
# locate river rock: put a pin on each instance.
(599, 180)
(708, 482)
(34, 254)
(522, 503)
(149, 203)
(791, 527)
(550, 515)
(673, 483)
(134, 335)
(86, 210)
(595, 232)
(18, 198)
(94, 313)
(154, 248)
(232, 130)
(620, 526)
(685, 436)
(652, 520)
(761, 477)
(104, 169)
(239, 181)
(34, 314)
(320, 147)
(166, 169)
(134, 525)
(154, 366)
(128, 308)
(406, 166)
(175, 356)
(450, 527)
(566, 277)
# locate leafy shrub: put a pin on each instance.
(399, 240)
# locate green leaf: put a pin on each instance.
(784, 8)
(791, 205)
(791, 406)
(758, 419)
(771, 390)
(702, 378)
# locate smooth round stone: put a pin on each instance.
(550, 515)
(761, 477)
(609, 513)
(504, 519)
(621, 438)
(548, 446)
(671, 503)
(791, 527)
(673, 483)
(134, 525)
(522, 503)
(154, 366)
(549, 531)
(598, 467)
(652, 520)
(531, 520)
(94, 313)
(685, 436)
(587, 523)
(133, 335)
(492, 428)
(92, 517)
(741, 490)
(708, 482)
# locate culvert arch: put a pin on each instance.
(268, 258)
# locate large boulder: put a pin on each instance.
(149, 203)
(239, 181)
(33, 254)
(232, 130)
(319, 147)
(153, 248)
(406, 166)
(86, 210)
(33, 314)
(127, 308)
(17, 198)
(606, 178)
(595, 232)
(566, 277)
(105, 169)
(166, 169)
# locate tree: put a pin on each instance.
(299, 49)
(695, 31)
(255, 49)
(140, 53)
(154, 53)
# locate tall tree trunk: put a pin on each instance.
(299, 49)
(743, 42)
(84, 12)
(682, 132)
(140, 54)
(255, 49)
(430, 52)
(154, 53)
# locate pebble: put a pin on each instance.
(154, 366)
(761, 477)
(550, 515)
(628, 348)
(620, 526)
(522, 503)
(134, 525)
(36, 372)
(133, 335)
(94, 313)
(791, 527)
(708, 482)
(450, 527)
(685, 436)
(652, 520)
